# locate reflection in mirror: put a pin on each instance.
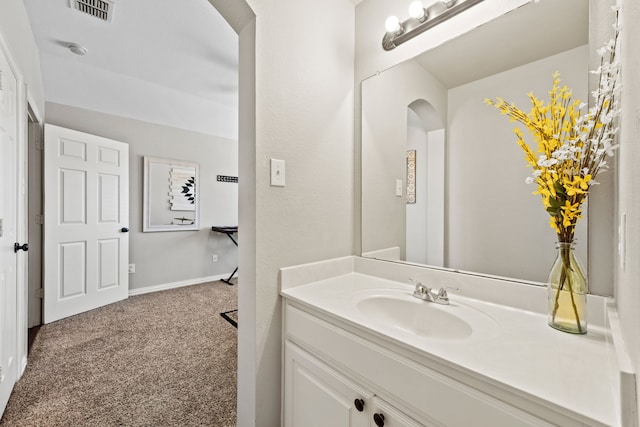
(425, 209)
(473, 210)
(170, 195)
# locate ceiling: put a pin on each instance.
(185, 48)
(531, 32)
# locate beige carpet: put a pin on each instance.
(161, 359)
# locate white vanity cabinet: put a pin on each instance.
(337, 376)
(317, 395)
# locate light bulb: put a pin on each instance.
(416, 10)
(392, 24)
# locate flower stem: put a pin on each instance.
(565, 277)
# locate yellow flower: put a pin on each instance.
(578, 185)
(570, 213)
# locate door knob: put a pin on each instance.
(18, 246)
(359, 403)
(379, 419)
(124, 229)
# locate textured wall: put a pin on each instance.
(627, 290)
(509, 233)
(299, 89)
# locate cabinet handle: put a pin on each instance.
(359, 404)
(378, 419)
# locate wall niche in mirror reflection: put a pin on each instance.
(425, 216)
(480, 216)
(171, 195)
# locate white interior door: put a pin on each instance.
(8, 235)
(86, 214)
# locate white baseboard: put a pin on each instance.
(178, 284)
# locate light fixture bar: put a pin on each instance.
(436, 14)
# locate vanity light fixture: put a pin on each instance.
(421, 19)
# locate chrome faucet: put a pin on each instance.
(430, 295)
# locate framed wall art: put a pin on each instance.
(171, 195)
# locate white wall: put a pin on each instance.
(384, 128)
(16, 30)
(495, 225)
(416, 233)
(304, 115)
(166, 257)
(436, 175)
(425, 217)
(627, 286)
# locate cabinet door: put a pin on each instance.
(383, 414)
(317, 396)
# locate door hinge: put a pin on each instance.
(39, 145)
(39, 293)
(40, 219)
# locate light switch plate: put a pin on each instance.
(399, 187)
(277, 173)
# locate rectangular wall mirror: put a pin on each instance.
(171, 194)
(470, 209)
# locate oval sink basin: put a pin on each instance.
(425, 319)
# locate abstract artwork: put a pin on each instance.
(182, 189)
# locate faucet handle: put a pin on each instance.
(442, 295)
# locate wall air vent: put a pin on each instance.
(101, 9)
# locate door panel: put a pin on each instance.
(8, 232)
(108, 263)
(86, 206)
(73, 202)
(73, 261)
(317, 396)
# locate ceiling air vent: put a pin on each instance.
(101, 9)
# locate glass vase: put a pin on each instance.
(567, 291)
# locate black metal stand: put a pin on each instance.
(228, 231)
(226, 316)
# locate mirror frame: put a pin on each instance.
(147, 226)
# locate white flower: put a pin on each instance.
(547, 163)
(529, 180)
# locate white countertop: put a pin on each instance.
(521, 352)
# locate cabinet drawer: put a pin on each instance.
(420, 390)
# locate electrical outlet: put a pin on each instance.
(132, 268)
(214, 258)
